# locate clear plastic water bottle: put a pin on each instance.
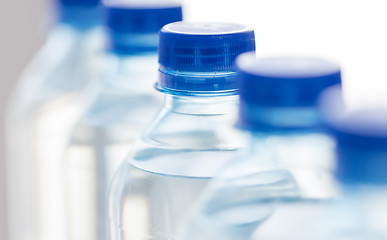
(40, 112)
(360, 213)
(288, 156)
(190, 138)
(122, 103)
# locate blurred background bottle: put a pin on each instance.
(361, 154)
(289, 156)
(121, 103)
(40, 113)
(190, 138)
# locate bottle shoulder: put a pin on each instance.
(122, 93)
(187, 145)
(62, 66)
(108, 109)
(65, 46)
(181, 130)
(262, 179)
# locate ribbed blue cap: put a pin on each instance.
(82, 14)
(134, 25)
(198, 58)
(361, 139)
(281, 92)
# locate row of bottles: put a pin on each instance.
(95, 153)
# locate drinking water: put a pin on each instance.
(121, 103)
(165, 179)
(288, 158)
(190, 138)
(40, 113)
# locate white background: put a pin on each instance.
(351, 32)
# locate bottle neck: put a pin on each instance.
(299, 149)
(206, 106)
(279, 120)
(130, 73)
(133, 43)
(197, 123)
(182, 83)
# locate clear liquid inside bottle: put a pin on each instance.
(182, 149)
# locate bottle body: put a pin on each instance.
(119, 108)
(40, 113)
(288, 160)
(358, 214)
(182, 149)
(274, 168)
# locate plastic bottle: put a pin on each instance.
(190, 138)
(288, 156)
(40, 112)
(360, 212)
(361, 136)
(121, 104)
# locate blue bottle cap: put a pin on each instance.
(198, 58)
(134, 25)
(361, 137)
(80, 3)
(281, 92)
(81, 14)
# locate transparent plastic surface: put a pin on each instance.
(41, 111)
(359, 215)
(274, 168)
(121, 106)
(182, 149)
